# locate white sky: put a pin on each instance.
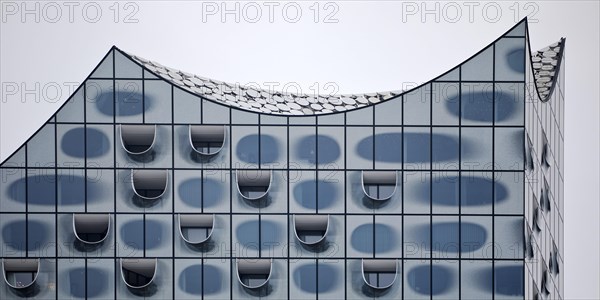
(359, 46)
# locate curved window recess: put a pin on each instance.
(545, 152)
(536, 294)
(149, 184)
(20, 273)
(91, 228)
(545, 198)
(379, 185)
(196, 229)
(529, 155)
(554, 268)
(529, 244)
(311, 230)
(254, 273)
(379, 273)
(138, 273)
(544, 282)
(207, 139)
(253, 184)
(536, 215)
(138, 139)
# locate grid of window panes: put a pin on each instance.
(544, 190)
(455, 222)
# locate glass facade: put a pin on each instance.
(425, 195)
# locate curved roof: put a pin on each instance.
(545, 64)
(260, 100)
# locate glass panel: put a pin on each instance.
(476, 148)
(445, 279)
(476, 192)
(72, 274)
(129, 101)
(189, 278)
(417, 105)
(508, 193)
(417, 235)
(99, 145)
(273, 146)
(217, 279)
(12, 189)
(16, 159)
(215, 192)
(303, 191)
(388, 148)
(417, 149)
(445, 192)
(213, 113)
(519, 30)
(508, 235)
(14, 235)
(303, 279)
(273, 229)
(101, 278)
(445, 148)
(188, 191)
(330, 145)
(100, 190)
(186, 106)
(72, 111)
(71, 152)
(158, 100)
(105, 68)
(452, 75)
(360, 148)
(330, 191)
(476, 279)
(130, 235)
(388, 236)
(41, 190)
(445, 237)
(273, 119)
(307, 120)
(477, 103)
(303, 147)
(158, 240)
(246, 142)
(510, 107)
(100, 101)
(476, 237)
(71, 189)
(245, 235)
(363, 116)
(243, 117)
(417, 279)
(510, 59)
(508, 280)
(416, 192)
(360, 236)
(41, 235)
(125, 67)
(40, 149)
(331, 280)
(445, 103)
(389, 112)
(509, 148)
(479, 67)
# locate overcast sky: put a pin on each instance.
(47, 48)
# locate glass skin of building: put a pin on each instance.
(458, 222)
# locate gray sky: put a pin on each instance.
(47, 48)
